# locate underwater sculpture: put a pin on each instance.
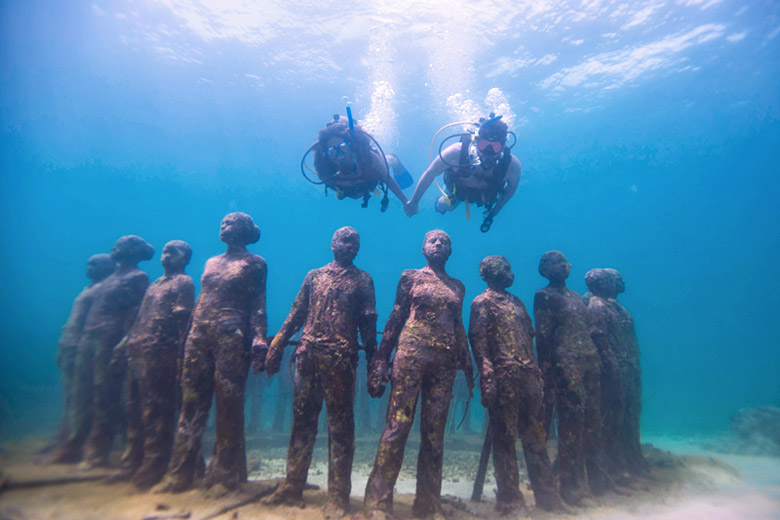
(426, 329)
(605, 331)
(570, 367)
(152, 350)
(98, 268)
(631, 379)
(98, 384)
(229, 318)
(335, 302)
(501, 337)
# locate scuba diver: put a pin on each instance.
(350, 162)
(480, 168)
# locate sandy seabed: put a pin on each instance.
(687, 483)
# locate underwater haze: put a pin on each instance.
(649, 134)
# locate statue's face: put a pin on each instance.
(231, 229)
(437, 246)
(555, 267)
(173, 257)
(345, 245)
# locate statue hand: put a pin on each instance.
(273, 359)
(487, 389)
(259, 352)
(377, 374)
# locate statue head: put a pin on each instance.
(601, 283)
(496, 271)
(100, 266)
(620, 285)
(345, 245)
(437, 246)
(238, 229)
(131, 249)
(176, 255)
(554, 267)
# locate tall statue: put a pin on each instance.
(501, 337)
(631, 377)
(605, 331)
(334, 303)
(97, 387)
(152, 348)
(99, 267)
(425, 328)
(228, 328)
(570, 367)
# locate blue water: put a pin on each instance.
(649, 138)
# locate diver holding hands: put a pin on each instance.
(479, 168)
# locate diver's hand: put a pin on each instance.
(411, 208)
(259, 352)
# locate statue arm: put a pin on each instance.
(544, 331)
(367, 318)
(258, 319)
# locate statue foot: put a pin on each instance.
(335, 509)
(170, 485)
(286, 495)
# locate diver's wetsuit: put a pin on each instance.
(427, 329)
(229, 313)
(152, 347)
(570, 366)
(501, 337)
(333, 304)
(494, 178)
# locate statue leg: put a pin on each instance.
(197, 392)
(531, 430)
(81, 409)
(157, 390)
(406, 381)
(591, 440)
(107, 388)
(228, 467)
(503, 426)
(436, 396)
(571, 424)
(339, 391)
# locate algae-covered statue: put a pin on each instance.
(334, 303)
(96, 399)
(99, 267)
(631, 379)
(501, 337)
(605, 331)
(228, 322)
(570, 367)
(152, 348)
(426, 329)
